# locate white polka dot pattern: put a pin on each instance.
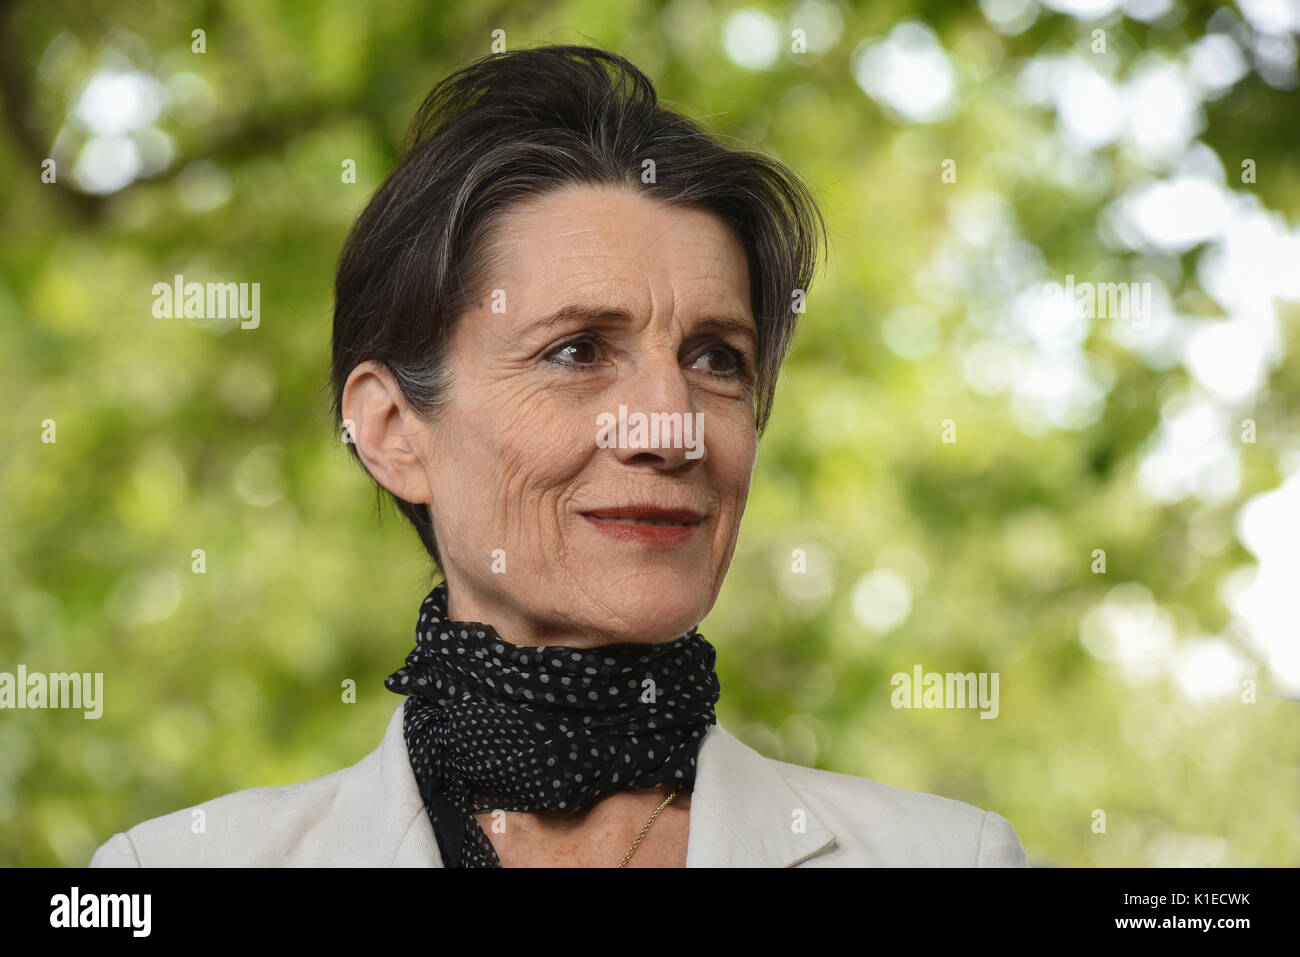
(493, 725)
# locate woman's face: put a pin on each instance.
(602, 305)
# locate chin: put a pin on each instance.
(651, 603)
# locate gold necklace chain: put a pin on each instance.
(635, 844)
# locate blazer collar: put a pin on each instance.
(743, 812)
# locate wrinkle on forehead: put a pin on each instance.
(523, 245)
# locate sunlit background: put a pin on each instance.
(965, 154)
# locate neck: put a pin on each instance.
(611, 816)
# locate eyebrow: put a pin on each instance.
(565, 314)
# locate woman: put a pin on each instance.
(557, 332)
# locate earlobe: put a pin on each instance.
(380, 420)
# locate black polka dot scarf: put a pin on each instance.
(490, 725)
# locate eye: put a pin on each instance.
(581, 352)
(733, 361)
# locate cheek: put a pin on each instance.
(535, 446)
(732, 449)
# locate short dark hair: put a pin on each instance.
(512, 126)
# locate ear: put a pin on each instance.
(387, 433)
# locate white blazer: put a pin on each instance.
(746, 811)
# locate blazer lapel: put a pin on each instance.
(744, 814)
(381, 809)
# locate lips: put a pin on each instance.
(647, 524)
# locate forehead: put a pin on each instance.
(592, 241)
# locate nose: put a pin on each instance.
(657, 422)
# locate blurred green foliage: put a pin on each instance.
(176, 435)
